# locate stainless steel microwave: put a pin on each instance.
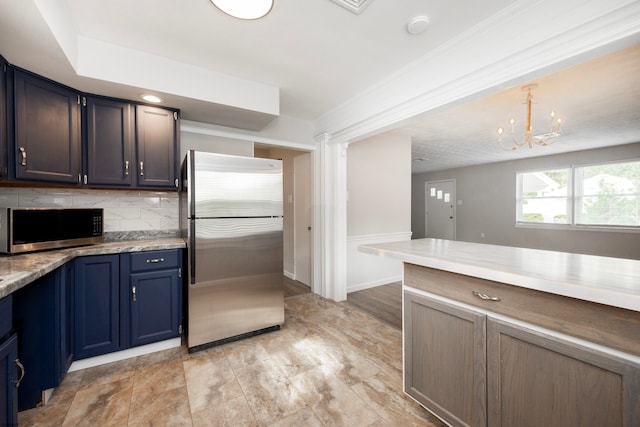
(34, 229)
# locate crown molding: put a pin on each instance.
(487, 57)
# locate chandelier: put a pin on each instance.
(529, 137)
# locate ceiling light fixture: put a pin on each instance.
(529, 137)
(151, 98)
(244, 9)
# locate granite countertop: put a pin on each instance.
(17, 271)
(604, 280)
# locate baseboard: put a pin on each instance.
(367, 271)
(125, 354)
(373, 284)
(289, 275)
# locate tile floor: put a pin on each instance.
(331, 364)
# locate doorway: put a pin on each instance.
(440, 209)
(302, 193)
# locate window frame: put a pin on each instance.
(573, 198)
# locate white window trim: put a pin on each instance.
(571, 202)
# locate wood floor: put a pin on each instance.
(383, 302)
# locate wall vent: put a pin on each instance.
(355, 6)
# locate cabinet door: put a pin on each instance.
(155, 306)
(109, 142)
(47, 130)
(537, 379)
(445, 359)
(3, 117)
(97, 308)
(8, 380)
(157, 145)
(35, 323)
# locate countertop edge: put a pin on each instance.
(609, 297)
(56, 258)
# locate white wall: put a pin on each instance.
(488, 206)
(379, 206)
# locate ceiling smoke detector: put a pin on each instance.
(417, 24)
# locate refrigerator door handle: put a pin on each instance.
(192, 249)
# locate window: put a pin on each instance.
(602, 195)
(543, 196)
(608, 194)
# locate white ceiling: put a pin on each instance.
(316, 56)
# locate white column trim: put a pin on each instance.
(330, 219)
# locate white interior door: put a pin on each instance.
(440, 209)
(302, 218)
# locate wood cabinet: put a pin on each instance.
(445, 359)
(45, 130)
(41, 322)
(3, 117)
(49, 137)
(528, 358)
(128, 145)
(155, 290)
(157, 147)
(9, 375)
(123, 301)
(97, 305)
(538, 379)
(109, 142)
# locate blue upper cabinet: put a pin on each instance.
(109, 127)
(3, 117)
(45, 130)
(157, 147)
(97, 305)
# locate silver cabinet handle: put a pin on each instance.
(141, 168)
(133, 289)
(126, 168)
(21, 366)
(485, 296)
(155, 260)
(23, 155)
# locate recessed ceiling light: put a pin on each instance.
(244, 9)
(151, 98)
(417, 24)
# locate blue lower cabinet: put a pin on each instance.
(9, 377)
(96, 306)
(126, 300)
(40, 321)
(155, 306)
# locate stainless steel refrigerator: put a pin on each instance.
(231, 215)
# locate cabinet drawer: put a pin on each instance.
(6, 316)
(615, 327)
(155, 260)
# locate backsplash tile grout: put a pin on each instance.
(124, 210)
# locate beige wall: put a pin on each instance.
(379, 206)
(379, 185)
(487, 193)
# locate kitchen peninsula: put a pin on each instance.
(497, 335)
(87, 305)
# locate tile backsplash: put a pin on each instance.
(124, 211)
